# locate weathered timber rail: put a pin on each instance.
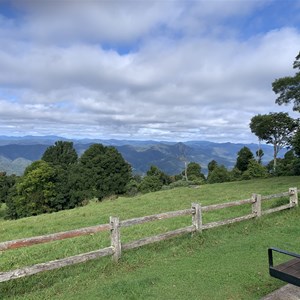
(116, 247)
(52, 237)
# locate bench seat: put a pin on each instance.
(288, 271)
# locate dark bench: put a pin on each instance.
(288, 271)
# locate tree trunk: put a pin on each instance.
(275, 158)
(185, 171)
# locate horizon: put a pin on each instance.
(18, 152)
(129, 140)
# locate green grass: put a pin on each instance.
(229, 262)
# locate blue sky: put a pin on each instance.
(163, 70)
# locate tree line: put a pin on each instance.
(62, 180)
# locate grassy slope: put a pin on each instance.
(222, 263)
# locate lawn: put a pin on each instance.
(229, 262)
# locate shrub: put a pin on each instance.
(235, 174)
(255, 170)
(150, 184)
(132, 188)
(218, 175)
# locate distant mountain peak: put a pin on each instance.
(168, 156)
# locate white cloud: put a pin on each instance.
(108, 21)
(60, 78)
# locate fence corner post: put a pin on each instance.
(293, 196)
(197, 217)
(256, 205)
(115, 238)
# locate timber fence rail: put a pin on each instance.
(116, 247)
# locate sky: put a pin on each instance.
(164, 70)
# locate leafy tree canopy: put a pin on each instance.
(243, 158)
(6, 183)
(219, 174)
(296, 143)
(288, 88)
(274, 128)
(259, 154)
(59, 183)
(211, 165)
(61, 153)
(163, 177)
(35, 191)
(235, 174)
(194, 172)
(255, 170)
(287, 166)
(149, 184)
(101, 172)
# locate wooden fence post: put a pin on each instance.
(256, 206)
(115, 238)
(293, 196)
(197, 217)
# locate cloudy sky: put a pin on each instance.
(131, 69)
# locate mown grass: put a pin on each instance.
(229, 262)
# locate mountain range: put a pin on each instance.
(18, 152)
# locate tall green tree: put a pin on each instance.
(289, 165)
(288, 88)
(194, 172)
(211, 165)
(259, 154)
(243, 158)
(35, 192)
(101, 172)
(296, 143)
(61, 153)
(274, 128)
(62, 156)
(163, 177)
(6, 183)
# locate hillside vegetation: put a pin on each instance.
(223, 263)
(167, 156)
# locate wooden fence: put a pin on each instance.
(115, 224)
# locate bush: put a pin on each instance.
(194, 173)
(235, 174)
(150, 184)
(132, 188)
(179, 183)
(218, 175)
(196, 180)
(255, 170)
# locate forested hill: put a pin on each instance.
(18, 152)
